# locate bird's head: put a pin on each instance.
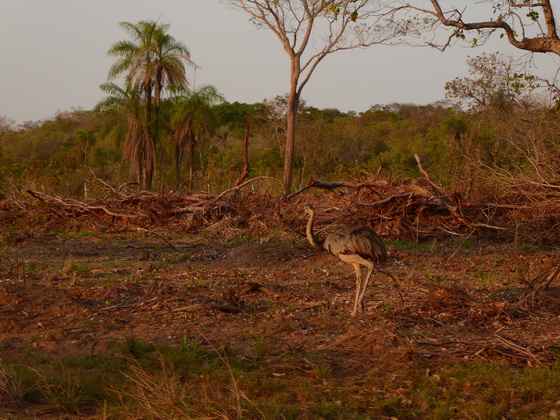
(309, 210)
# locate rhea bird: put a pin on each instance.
(357, 245)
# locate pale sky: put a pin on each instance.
(54, 57)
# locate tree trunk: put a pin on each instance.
(245, 155)
(291, 114)
(144, 177)
(191, 166)
(148, 168)
(178, 158)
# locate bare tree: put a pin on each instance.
(309, 30)
(7, 124)
(527, 25)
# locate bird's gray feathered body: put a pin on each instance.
(357, 240)
(357, 245)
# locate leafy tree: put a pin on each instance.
(241, 115)
(153, 62)
(495, 82)
(138, 146)
(309, 30)
(235, 114)
(196, 122)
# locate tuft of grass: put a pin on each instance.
(167, 261)
(65, 390)
(134, 347)
(487, 278)
(157, 394)
(13, 385)
(521, 274)
(71, 266)
(81, 234)
(261, 347)
(196, 281)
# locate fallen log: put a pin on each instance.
(74, 204)
(313, 183)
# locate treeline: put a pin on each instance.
(153, 131)
(506, 149)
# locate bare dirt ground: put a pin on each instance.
(61, 295)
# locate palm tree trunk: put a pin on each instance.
(177, 166)
(148, 168)
(191, 166)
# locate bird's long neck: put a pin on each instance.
(313, 240)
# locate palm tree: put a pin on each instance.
(138, 147)
(196, 122)
(153, 61)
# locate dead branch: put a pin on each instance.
(524, 351)
(313, 183)
(75, 204)
(160, 237)
(427, 176)
(540, 283)
(250, 181)
(458, 248)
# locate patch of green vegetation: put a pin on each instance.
(521, 274)
(208, 234)
(238, 241)
(261, 347)
(71, 266)
(465, 245)
(410, 245)
(105, 281)
(119, 264)
(436, 278)
(81, 234)
(478, 389)
(133, 346)
(196, 281)
(291, 308)
(388, 307)
(167, 261)
(524, 248)
(192, 379)
(487, 278)
(31, 270)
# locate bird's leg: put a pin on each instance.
(358, 269)
(360, 300)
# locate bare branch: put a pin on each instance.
(541, 16)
